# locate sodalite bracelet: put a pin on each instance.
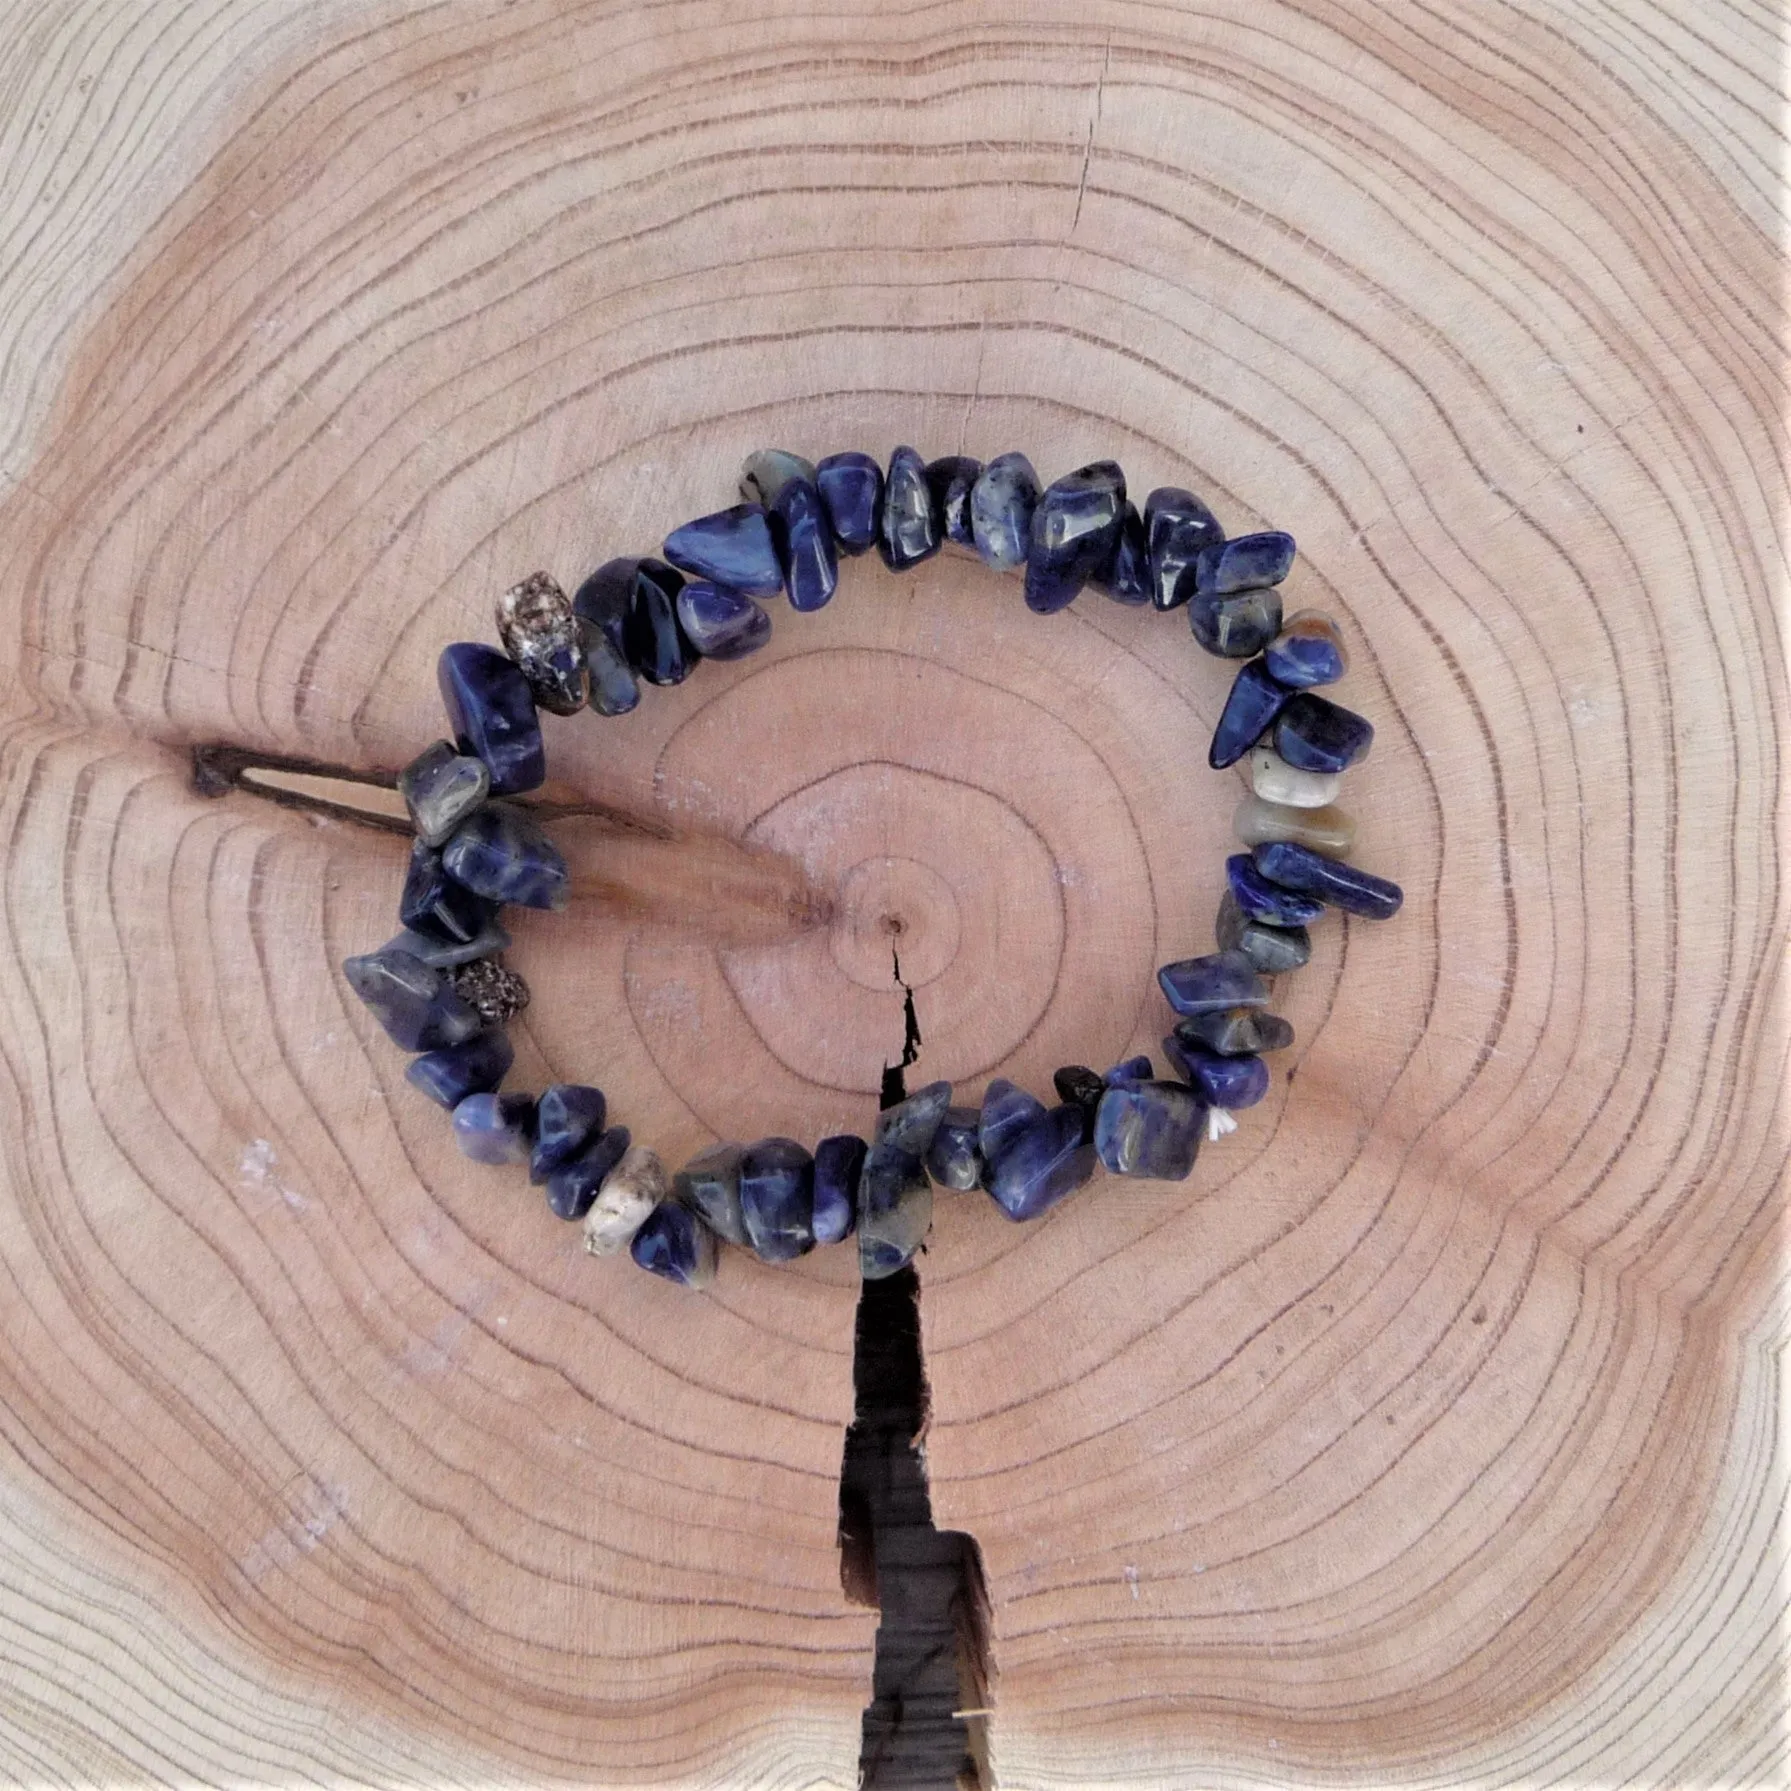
(440, 989)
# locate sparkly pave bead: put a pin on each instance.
(1219, 980)
(1235, 627)
(497, 995)
(1001, 506)
(539, 631)
(567, 1117)
(1040, 1165)
(436, 905)
(1149, 1129)
(895, 1210)
(719, 623)
(1126, 575)
(441, 787)
(1331, 831)
(495, 1128)
(777, 1198)
(1236, 1032)
(765, 473)
(803, 538)
(500, 853)
(1178, 528)
(1313, 734)
(1249, 713)
(1244, 563)
(839, 1162)
(448, 1076)
(1227, 1082)
(412, 1000)
(574, 1186)
(733, 547)
(710, 1185)
(1291, 866)
(910, 528)
(1265, 901)
(1007, 1111)
(493, 715)
(851, 488)
(951, 480)
(1274, 780)
(1075, 526)
(1273, 950)
(629, 1193)
(675, 1243)
(1307, 651)
(952, 1159)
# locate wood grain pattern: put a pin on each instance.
(1430, 1434)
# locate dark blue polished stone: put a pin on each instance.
(1238, 626)
(710, 1184)
(1149, 1129)
(1227, 1082)
(1331, 881)
(1040, 1165)
(951, 479)
(1007, 1111)
(952, 1159)
(502, 854)
(1315, 734)
(1273, 950)
(575, 1184)
(675, 1243)
(1134, 1069)
(895, 1208)
(1126, 575)
(448, 1076)
(909, 1125)
(441, 787)
(1308, 651)
(1078, 1086)
(1075, 527)
(1219, 980)
(733, 547)
(910, 528)
(1265, 901)
(719, 623)
(495, 1128)
(434, 904)
(412, 1000)
(1236, 1032)
(1244, 563)
(839, 1162)
(851, 488)
(614, 688)
(777, 1198)
(493, 715)
(441, 955)
(1249, 713)
(567, 1117)
(1178, 528)
(632, 604)
(803, 538)
(1001, 506)
(652, 642)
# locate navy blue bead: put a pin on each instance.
(490, 940)
(910, 528)
(1218, 980)
(952, 1159)
(1329, 880)
(1078, 1086)
(1245, 563)
(412, 1000)
(803, 538)
(567, 1117)
(499, 852)
(1315, 734)
(1134, 1069)
(851, 488)
(733, 547)
(436, 906)
(492, 713)
(1308, 651)
(1001, 505)
(675, 1243)
(1007, 1111)
(1249, 712)
(1178, 528)
(1236, 1032)
(839, 1162)
(951, 479)
(1238, 626)
(1126, 576)
(1228, 1082)
(1049, 1159)
(1149, 1129)
(448, 1076)
(602, 600)
(495, 1128)
(574, 1185)
(1264, 901)
(1075, 527)
(710, 1184)
(614, 688)
(652, 642)
(777, 1198)
(1273, 950)
(719, 623)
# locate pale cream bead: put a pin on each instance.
(1331, 831)
(1274, 780)
(629, 1193)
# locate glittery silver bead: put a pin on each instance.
(497, 995)
(539, 631)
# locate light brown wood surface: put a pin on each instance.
(1429, 1434)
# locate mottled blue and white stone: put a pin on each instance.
(1041, 1164)
(441, 787)
(909, 526)
(674, 1243)
(1149, 1129)
(495, 1128)
(951, 479)
(502, 854)
(1075, 526)
(1235, 627)
(1134, 1069)
(1309, 650)
(719, 623)
(910, 1124)
(493, 715)
(575, 1184)
(1249, 712)
(1236, 1032)
(1228, 1082)
(449, 1075)
(1178, 528)
(629, 1193)
(445, 955)
(1218, 980)
(1314, 734)
(953, 1159)
(1265, 901)
(1329, 880)
(777, 1198)
(895, 1210)
(765, 472)
(851, 488)
(839, 1162)
(1273, 950)
(710, 1184)
(1007, 1111)
(732, 547)
(1126, 575)
(1002, 501)
(412, 1000)
(1245, 563)
(567, 1117)
(437, 905)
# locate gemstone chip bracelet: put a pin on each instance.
(440, 987)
